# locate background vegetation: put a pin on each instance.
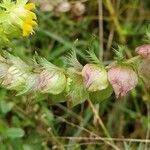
(39, 123)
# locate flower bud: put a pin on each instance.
(144, 72)
(123, 79)
(95, 77)
(144, 51)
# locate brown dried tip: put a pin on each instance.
(123, 80)
(144, 51)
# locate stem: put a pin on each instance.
(107, 139)
(100, 14)
(99, 119)
(111, 10)
(133, 59)
(101, 122)
(148, 118)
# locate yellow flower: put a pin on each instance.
(30, 6)
(29, 21)
(23, 16)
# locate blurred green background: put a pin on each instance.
(39, 123)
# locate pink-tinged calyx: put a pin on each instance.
(94, 77)
(123, 79)
(144, 51)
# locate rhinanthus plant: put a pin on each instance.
(75, 84)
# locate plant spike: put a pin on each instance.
(76, 83)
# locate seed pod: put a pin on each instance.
(17, 73)
(51, 79)
(144, 51)
(144, 72)
(95, 77)
(63, 7)
(3, 67)
(78, 9)
(51, 82)
(46, 8)
(123, 79)
(45, 82)
(14, 78)
(3, 70)
(31, 84)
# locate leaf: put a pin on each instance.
(49, 115)
(3, 146)
(99, 96)
(72, 60)
(15, 133)
(17, 62)
(3, 128)
(119, 54)
(77, 92)
(45, 63)
(56, 99)
(27, 147)
(94, 44)
(6, 107)
(147, 35)
(93, 58)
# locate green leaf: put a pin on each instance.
(77, 93)
(6, 107)
(3, 128)
(72, 60)
(15, 133)
(56, 99)
(93, 58)
(45, 63)
(27, 147)
(49, 115)
(99, 96)
(3, 146)
(120, 53)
